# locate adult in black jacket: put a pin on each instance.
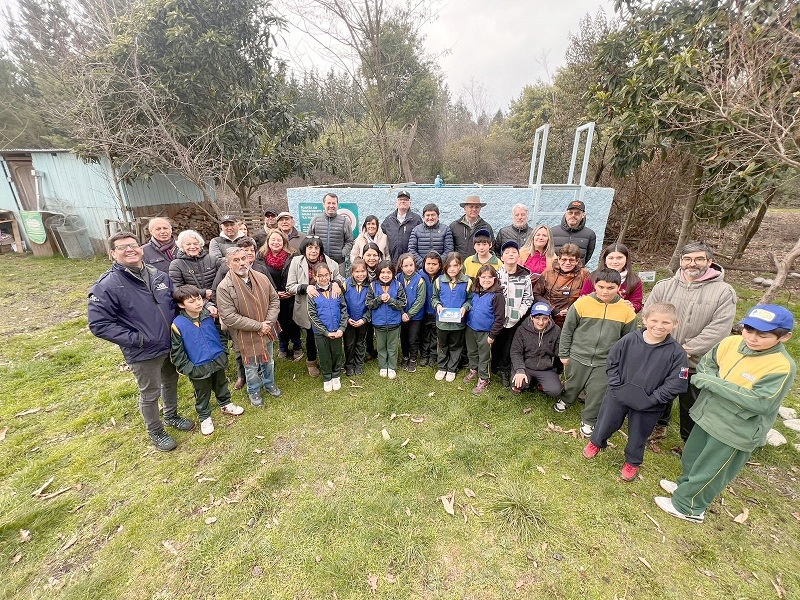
(193, 264)
(518, 231)
(399, 225)
(131, 305)
(573, 230)
(464, 229)
(276, 254)
(161, 249)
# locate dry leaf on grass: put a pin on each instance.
(30, 411)
(558, 429)
(417, 419)
(796, 515)
(525, 411)
(372, 580)
(16, 559)
(778, 585)
(385, 434)
(540, 469)
(211, 520)
(412, 456)
(391, 578)
(392, 416)
(469, 492)
(431, 394)
(448, 502)
(24, 535)
(645, 563)
(742, 516)
(408, 512)
(206, 480)
(170, 546)
(566, 478)
(405, 443)
(485, 474)
(3, 432)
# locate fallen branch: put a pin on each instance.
(43, 488)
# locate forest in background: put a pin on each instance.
(696, 103)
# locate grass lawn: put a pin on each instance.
(339, 495)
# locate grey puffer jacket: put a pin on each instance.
(200, 270)
(335, 233)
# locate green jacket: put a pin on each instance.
(592, 327)
(741, 391)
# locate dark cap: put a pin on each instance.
(509, 244)
(404, 194)
(482, 232)
(577, 204)
(270, 211)
(766, 317)
(227, 219)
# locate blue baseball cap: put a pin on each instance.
(541, 308)
(766, 317)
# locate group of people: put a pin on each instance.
(413, 292)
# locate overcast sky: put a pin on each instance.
(499, 44)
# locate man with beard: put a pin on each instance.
(161, 249)
(518, 231)
(573, 230)
(248, 308)
(706, 307)
(131, 305)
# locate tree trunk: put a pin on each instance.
(753, 226)
(405, 151)
(688, 220)
(626, 225)
(783, 267)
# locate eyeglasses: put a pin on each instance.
(133, 246)
(567, 259)
(696, 260)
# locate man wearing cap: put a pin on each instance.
(161, 249)
(399, 225)
(518, 291)
(229, 233)
(334, 230)
(533, 353)
(706, 307)
(464, 228)
(270, 223)
(573, 230)
(518, 231)
(287, 228)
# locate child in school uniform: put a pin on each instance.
(646, 369)
(328, 316)
(451, 290)
(386, 300)
(742, 382)
(414, 287)
(197, 352)
(593, 325)
(534, 350)
(432, 268)
(484, 323)
(355, 336)
(482, 242)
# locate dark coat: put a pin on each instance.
(123, 309)
(463, 234)
(155, 257)
(399, 233)
(583, 237)
(199, 271)
(532, 350)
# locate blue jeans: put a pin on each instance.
(258, 375)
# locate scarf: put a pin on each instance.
(167, 249)
(311, 279)
(276, 262)
(252, 301)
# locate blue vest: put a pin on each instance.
(481, 316)
(356, 300)
(429, 310)
(452, 298)
(414, 287)
(385, 315)
(328, 311)
(202, 344)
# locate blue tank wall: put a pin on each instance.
(380, 201)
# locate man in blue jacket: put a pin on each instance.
(131, 305)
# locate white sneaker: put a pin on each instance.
(587, 430)
(384, 372)
(336, 383)
(560, 406)
(206, 426)
(668, 486)
(666, 505)
(231, 409)
(392, 373)
(450, 377)
(440, 375)
(327, 386)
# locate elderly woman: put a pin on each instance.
(560, 285)
(299, 283)
(371, 233)
(193, 264)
